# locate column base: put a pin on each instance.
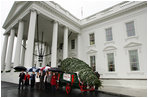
(8, 68)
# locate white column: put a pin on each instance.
(44, 57)
(33, 55)
(79, 46)
(65, 47)
(47, 57)
(3, 55)
(23, 52)
(10, 50)
(18, 44)
(54, 45)
(38, 63)
(30, 41)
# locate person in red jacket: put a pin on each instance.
(53, 82)
(27, 77)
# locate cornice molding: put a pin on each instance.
(111, 15)
(68, 17)
(57, 13)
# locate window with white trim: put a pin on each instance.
(111, 64)
(109, 36)
(134, 62)
(73, 44)
(130, 29)
(93, 62)
(92, 38)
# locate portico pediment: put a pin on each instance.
(132, 44)
(109, 48)
(18, 5)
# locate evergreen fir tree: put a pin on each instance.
(85, 73)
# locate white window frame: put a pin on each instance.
(136, 29)
(113, 59)
(106, 34)
(130, 62)
(88, 58)
(139, 49)
(90, 61)
(89, 39)
(106, 61)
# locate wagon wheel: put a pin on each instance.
(68, 88)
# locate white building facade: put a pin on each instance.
(113, 41)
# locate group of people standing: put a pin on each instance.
(42, 80)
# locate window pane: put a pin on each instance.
(134, 62)
(111, 65)
(109, 34)
(93, 62)
(72, 44)
(130, 29)
(92, 39)
(61, 45)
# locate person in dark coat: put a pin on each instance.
(41, 80)
(32, 79)
(21, 79)
(46, 79)
(96, 86)
(49, 80)
(27, 77)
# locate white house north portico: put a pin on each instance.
(112, 42)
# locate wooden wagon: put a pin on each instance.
(71, 81)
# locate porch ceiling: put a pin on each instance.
(44, 25)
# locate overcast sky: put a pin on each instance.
(75, 7)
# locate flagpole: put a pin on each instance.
(81, 12)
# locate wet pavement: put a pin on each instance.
(11, 90)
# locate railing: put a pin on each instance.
(98, 15)
(110, 10)
(62, 10)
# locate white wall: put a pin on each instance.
(72, 52)
(120, 40)
(101, 47)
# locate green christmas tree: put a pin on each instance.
(85, 73)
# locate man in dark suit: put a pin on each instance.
(32, 79)
(21, 79)
(96, 86)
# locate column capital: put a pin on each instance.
(12, 29)
(65, 26)
(20, 20)
(34, 10)
(55, 21)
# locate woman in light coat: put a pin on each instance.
(37, 80)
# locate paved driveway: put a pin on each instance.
(11, 90)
